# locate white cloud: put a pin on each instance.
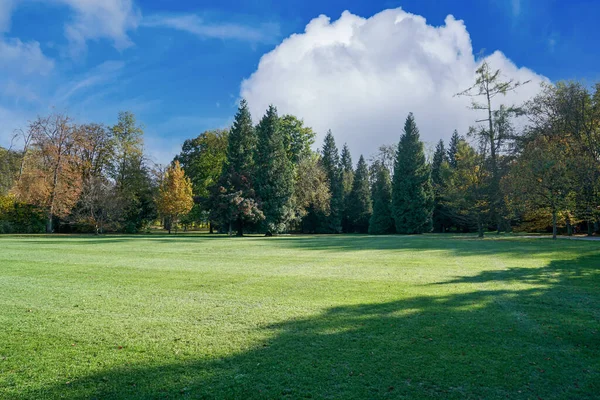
(17, 57)
(361, 77)
(99, 19)
(195, 25)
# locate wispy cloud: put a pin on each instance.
(104, 73)
(5, 14)
(195, 25)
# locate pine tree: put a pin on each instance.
(242, 142)
(274, 176)
(453, 149)
(412, 194)
(359, 200)
(233, 199)
(381, 221)
(347, 172)
(440, 169)
(330, 161)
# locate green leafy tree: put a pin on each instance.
(135, 185)
(202, 158)
(543, 176)
(311, 190)
(10, 161)
(360, 207)
(297, 138)
(412, 194)
(274, 176)
(330, 161)
(466, 195)
(381, 221)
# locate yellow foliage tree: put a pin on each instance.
(174, 195)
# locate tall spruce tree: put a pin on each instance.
(330, 161)
(412, 193)
(440, 171)
(274, 176)
(233, 199)
(242, 142)
(453, 148)
(359, 199)
(347, 172)
(381, 221)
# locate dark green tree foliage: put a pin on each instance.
(439, 158)
(412, 194)
(274, 176)
(440, 171)
(233, 199)
(347, 172)
(359, 200)
(381, 221)
(331, 164)
(453, 149)
(242, 142)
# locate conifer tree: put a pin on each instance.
(330, 161)
(242, 142)
(453, 149)
(359, 200)
(440, 170)
(381, 221)
(412, 194)
(274, 176)
(233, 199)
(347, 172)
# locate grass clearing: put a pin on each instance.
(326, 317)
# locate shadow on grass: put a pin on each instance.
(540, 342)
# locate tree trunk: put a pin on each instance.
(479, 227)
(229, 233)
(554, 224)
(210, 228)
(49, 225)
(569, 227)
(240, 227)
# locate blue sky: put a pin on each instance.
(179, 65)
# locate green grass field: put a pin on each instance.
(329, 317)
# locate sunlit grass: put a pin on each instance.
(344, 317)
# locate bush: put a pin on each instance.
(17, 217)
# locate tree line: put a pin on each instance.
(529, 167)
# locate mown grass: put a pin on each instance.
(327, 317)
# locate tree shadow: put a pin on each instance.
(491, 341)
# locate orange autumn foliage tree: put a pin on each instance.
(174, 195)
(51, 179)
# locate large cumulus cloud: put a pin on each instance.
(360, 77)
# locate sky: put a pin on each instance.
(355, 67)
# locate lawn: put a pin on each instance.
(326, 317)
